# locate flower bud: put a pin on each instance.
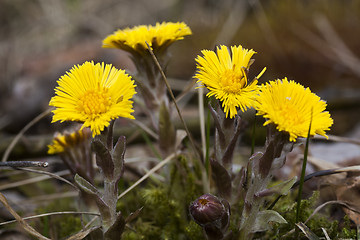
(212, 214)
(207, 209)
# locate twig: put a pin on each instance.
(16, 164)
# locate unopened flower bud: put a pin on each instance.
(212, 213)
(207, 209)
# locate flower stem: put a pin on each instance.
(110, 198)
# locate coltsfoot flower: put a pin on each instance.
(225, 75)
(291, 107)
(93, 94)
(61, 142)
(159, 36)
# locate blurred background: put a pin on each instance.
(312, 42)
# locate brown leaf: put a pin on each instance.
(349, 192)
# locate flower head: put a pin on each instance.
(61, 142)
(93, 94)
(291, 107)
(207, 209)
(225, 75)
(159, 36)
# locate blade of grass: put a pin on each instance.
(302, 176)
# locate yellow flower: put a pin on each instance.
(160, 35)
(291, 107)
(93, 94)
(68, 140)
(225, 75)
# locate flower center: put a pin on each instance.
(203, 202)
(290, 114)
(232, 81)
(95, 102)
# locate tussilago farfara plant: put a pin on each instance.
(96, 94)
(289, 109)
(150, 84)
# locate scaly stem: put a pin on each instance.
(110, 198)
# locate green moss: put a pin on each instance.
(165, 205)
(287, 208)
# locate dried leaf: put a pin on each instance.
(180, 135)
(308, 233)
(23, 224)
(349, 192)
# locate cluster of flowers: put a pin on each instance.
(95, 94)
